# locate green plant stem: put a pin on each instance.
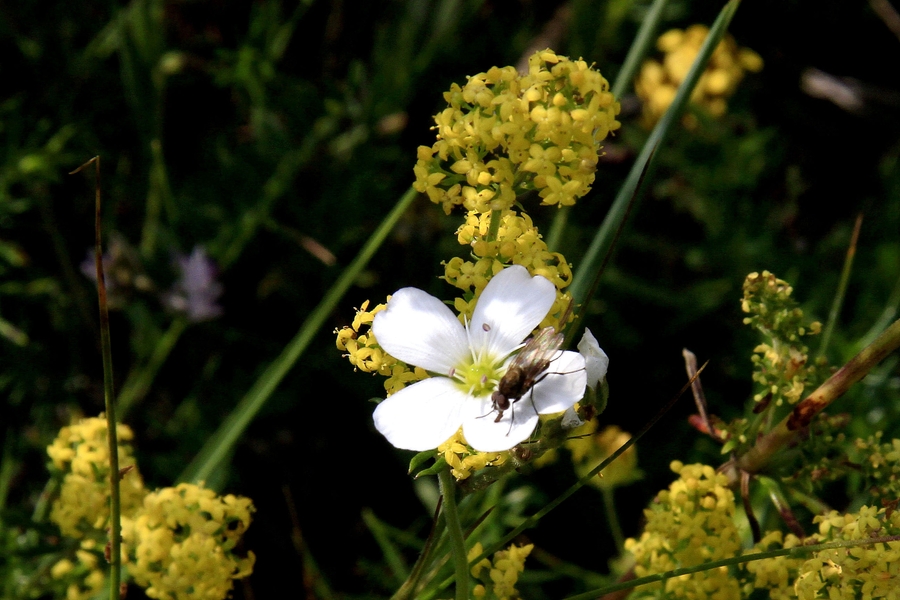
(609, 506)
(797, 552)
(841, 290)
(756, 459)
(641, 45)
(138, 382)
(220, 444)
(454, 529)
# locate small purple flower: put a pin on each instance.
(196, 291)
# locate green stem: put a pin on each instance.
(138, 382)
(454, 529)
(842, 289)
(220, 444)
(756, 459)
(558, 228)
(797, 552)
(609, 506)
(646, 35)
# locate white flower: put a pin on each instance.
(596, 362)
(469, 362)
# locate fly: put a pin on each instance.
(528, 367)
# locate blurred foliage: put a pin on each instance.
(277, 135)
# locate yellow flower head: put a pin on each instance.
(504, 134)
(517, 242)
(80, 458)
(180, 544)
(690, 523)
(658, 81)
(498, 577)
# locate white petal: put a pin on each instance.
(561, 386)
(596, 362)
(483, 434)
(420, 330)
(570, 419)
(512, 304)
(421, 416)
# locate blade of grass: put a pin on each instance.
(636, 54)
(220, 444)
(641, 45)
(389, 550)
(842, 289)
(586, 279)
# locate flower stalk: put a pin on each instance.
(115, 525)
(454, 529)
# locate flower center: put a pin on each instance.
(480, 376)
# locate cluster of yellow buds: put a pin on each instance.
(867, 571)
(880, 462)
(464, 460)
(362, 350)
(504, 134)
(498, 578)
(516, 242)
(781, 364)
(658, 81)
(80, 458)
(688, 524)
(177, 542)
(181, 544)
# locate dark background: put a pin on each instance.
(273, 114)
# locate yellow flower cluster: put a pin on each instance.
(881, 463)
(781, 365)
(178, 541)
(518, 242)
(504, 134)
(364, 353)
(856, 572)
(84, 577)
(465, 460)
(180, 546)
(776, 574)
(690, 523)
(850, 573)
(499, 578)
(80, 457)
(590, 447)
(658, 81)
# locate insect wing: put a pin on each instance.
(538, 351)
